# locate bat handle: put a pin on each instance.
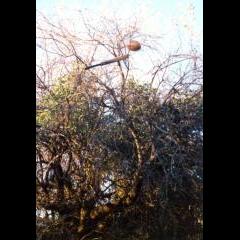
(88, 67)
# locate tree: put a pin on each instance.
(117, 159)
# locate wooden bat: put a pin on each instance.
(116, 59)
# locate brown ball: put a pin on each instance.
(133, 45)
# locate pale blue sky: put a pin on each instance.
(161, 18)
(166, 6)
(164, 11)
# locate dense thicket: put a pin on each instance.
(118, 166)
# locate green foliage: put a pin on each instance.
(94, 137)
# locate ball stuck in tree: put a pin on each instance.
(133, 45)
